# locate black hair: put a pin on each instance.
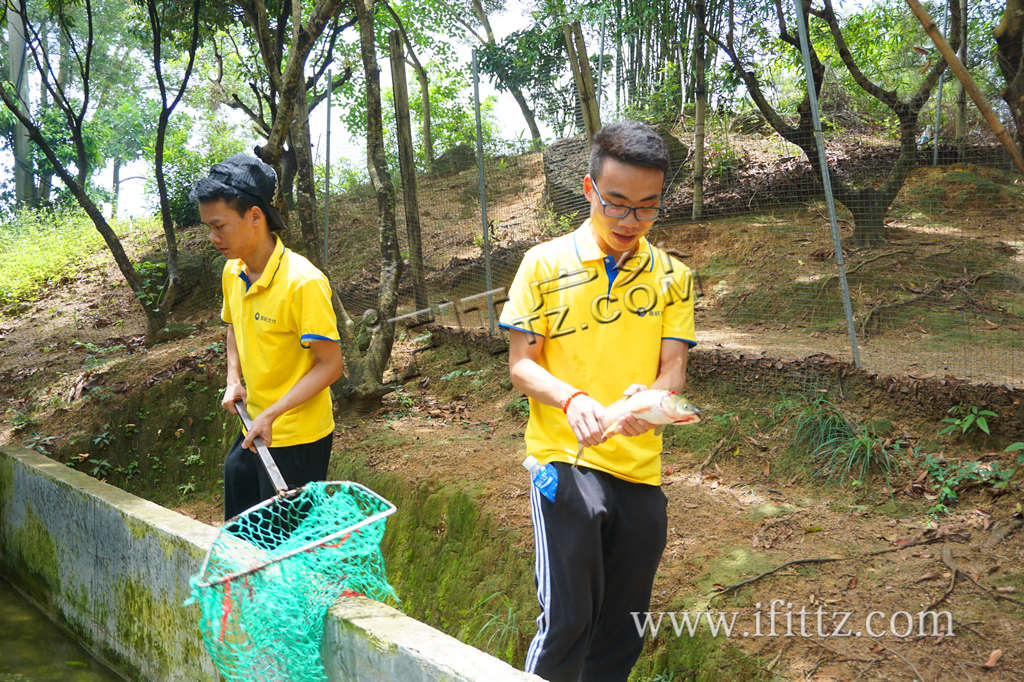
(207, 189)
(630, 142)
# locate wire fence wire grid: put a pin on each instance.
(274, 571)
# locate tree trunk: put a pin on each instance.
(428, 135)
(24, 190)
(700, 95)
(517, 93)
(408, 170)
(305, 199)
(366, 360)
(961, 97)
(115, 188)
(580, 63)
(1009, 35)
(288, 171)
(124, 264)
(421, 76)
(531, 121)
(868, 218)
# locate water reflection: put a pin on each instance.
(34, 649)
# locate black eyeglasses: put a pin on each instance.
(643, 213)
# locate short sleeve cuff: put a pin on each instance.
(518, 329)
(306, 338)
(688, 342)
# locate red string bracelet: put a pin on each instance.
(565, 405)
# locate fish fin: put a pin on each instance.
(658, 430)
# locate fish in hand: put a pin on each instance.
(654, 405)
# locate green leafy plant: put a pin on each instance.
(966, 418)
(153, 278)
(554, 225)
(1017, 447)
(129, 470)
(518, 407)
(817, 424)
(22, 420)
(101, 468)
(859, 454)
(948, 478)
(41, 444)
(99, 350)
(458, 373)
(103, 439)
(186, 489)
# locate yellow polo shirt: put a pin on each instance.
(602, 326)
(274, 318)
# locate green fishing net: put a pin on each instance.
(275, 569)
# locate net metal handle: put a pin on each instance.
(268, 461)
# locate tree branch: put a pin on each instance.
(888, 97)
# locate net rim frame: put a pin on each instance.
(390, 509)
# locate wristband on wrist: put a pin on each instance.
(565, 405)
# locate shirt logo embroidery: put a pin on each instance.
(264, 318)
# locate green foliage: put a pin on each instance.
(534, 60)
(452, 119)
(518, 407)
(104, 438)
(189, 151)
(665, 101)
(948, 478)
(40, 247)
(41, 444)
(22, 420)
(966, 419)
(858, 455)
(458, 373)
(101, 468)
(817, 422)
(153, 278)
(554, 225)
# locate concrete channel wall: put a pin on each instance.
(114, 568)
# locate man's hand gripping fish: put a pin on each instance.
(654, 405)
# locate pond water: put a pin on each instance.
(33, 649)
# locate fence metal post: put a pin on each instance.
(600, 65)
(938, 106)
(483, 190)
(327, 163)
(826, 180)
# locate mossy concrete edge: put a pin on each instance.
(114, 568)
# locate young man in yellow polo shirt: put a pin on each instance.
(592, 316)
(282, 336)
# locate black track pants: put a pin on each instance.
(246, 482)
(597, 549)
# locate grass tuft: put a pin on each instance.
(834, 446)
